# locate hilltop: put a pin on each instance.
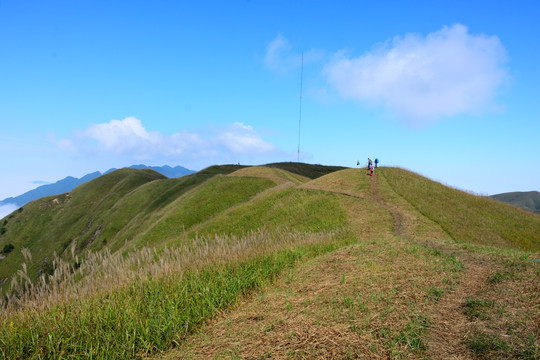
(69, 183)
(112, 209)
(283, 260)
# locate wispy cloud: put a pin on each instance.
(129, 137)
(41, 182)
(420, 79)
(242, 139)
(280, 56)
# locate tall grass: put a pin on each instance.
(128, 307)
(50, 224)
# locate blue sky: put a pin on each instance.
(448, 89)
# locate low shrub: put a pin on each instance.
(8, 248)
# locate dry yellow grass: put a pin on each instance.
(103, 272)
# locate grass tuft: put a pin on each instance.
(475, 308)
(413, 334)
(484, 344)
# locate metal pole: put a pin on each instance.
(300, 112)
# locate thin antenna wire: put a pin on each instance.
(300, 112)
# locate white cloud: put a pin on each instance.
(278, 53)
(420, 79)
(242, 139)
(129, 137)
(122, 136)
(66, 144)
(281, 58)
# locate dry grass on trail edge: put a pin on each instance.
(449, 324)
(363, 301)
(504, 314)
(494, 312)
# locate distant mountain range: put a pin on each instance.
(69, 183)
(529, 200)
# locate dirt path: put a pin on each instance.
(402, 223)
(449, 324)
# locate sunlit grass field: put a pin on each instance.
(266, 263)
(465, 217)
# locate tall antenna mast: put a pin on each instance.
(300, 112)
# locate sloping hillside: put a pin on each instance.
(529, 200)
(465, 217)
(69, 183)
(405, 290)
(311, 171)
(106, 212)
(267, 263)
(51, 224)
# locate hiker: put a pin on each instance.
(376, 162)
(371, 169)
(369, 163)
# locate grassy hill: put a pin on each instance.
(280, 261)
(529, 200)
(465, 217)
(105, 212)
(52, 224)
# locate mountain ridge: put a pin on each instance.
(391, 256)
(69, 183)
(527, 200)
(141, 206)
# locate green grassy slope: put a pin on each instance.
(287, 208)
(205, 208)
(141, 209)
(50, 225)
(214, 239)
(119, 208)
(311, 171)
(202, 203)
(529, 200)
(466, 217)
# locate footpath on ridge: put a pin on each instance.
(448, 323)
(401, 291)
